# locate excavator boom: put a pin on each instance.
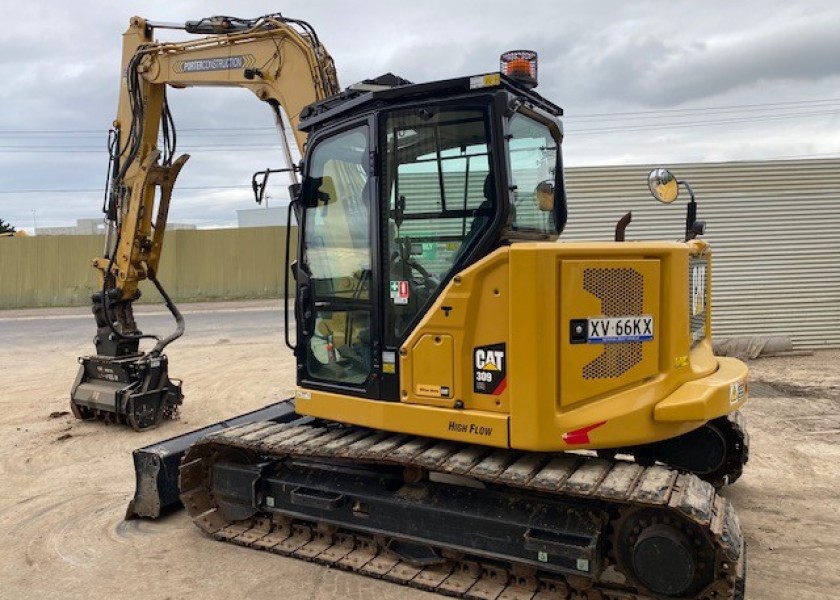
(284, 64)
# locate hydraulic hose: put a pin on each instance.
(179, 319)
(106, 306)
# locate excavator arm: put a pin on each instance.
(280, 60)
(283, 63)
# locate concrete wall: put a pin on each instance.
(197, 265)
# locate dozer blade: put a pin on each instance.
(156, 466)
(134, 390)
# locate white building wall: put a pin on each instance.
(262, 217)
(94, 227)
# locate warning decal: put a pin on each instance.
(489, 369)
(399, 292)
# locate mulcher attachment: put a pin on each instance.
(134, 390)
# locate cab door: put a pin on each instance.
(337, 346)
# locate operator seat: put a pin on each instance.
(483, 216)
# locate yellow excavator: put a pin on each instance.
(482, 410)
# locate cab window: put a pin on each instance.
(533, 161)
(337, 259)
(439, 193)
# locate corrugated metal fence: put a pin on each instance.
(220, 264)
(774, 227)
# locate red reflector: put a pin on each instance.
(580, 436)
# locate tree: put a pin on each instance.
(5, 227)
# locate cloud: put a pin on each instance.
(61, 72)
(648, 69)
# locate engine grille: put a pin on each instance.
(621, 292)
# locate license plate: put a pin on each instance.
(611, 330)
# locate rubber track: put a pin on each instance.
(624, 485)
(739, 438)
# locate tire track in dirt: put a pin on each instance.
(62, 502)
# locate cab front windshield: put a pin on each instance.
(336, 260)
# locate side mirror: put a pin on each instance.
(260, 179)
(665, 188)
(663, 185)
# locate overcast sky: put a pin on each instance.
(640, 82)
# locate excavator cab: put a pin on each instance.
(403, 188)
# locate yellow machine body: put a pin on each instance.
(511, 312)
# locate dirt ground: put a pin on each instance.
(64, 485)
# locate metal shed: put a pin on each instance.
(774, 227)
